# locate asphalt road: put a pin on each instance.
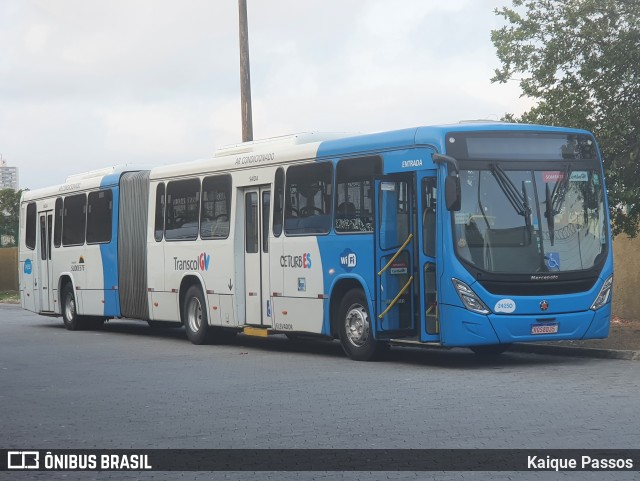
(129, 386)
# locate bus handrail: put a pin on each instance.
(406, 243)
(395, 299)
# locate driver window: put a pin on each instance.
(216, 204)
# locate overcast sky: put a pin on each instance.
(86, 84)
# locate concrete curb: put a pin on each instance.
(577, 351)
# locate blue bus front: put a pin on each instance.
(527, 257)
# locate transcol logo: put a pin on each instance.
(199, 263)
(204, 261)
(348, 260)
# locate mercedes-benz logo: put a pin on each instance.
(544, 305)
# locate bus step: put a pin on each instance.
(257, 331)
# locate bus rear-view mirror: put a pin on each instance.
(452, 193)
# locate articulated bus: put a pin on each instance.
(474, 234)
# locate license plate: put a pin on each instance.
(548, 328)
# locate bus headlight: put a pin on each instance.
(604, 295)
(469, 298)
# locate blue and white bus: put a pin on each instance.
(473, 234)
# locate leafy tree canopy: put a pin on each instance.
(9, 212)
(580, 59)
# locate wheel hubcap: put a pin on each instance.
(70, 308)
(194, 314)
(357, 325)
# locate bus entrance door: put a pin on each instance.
(427, 248)
(45, 273)
(394, 244)
(257, 204)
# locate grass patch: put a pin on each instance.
(10, 297)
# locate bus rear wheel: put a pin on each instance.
(72, 321)
(194, 316)
(355, 329)
(490, 350)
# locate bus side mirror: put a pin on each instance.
(452, 193)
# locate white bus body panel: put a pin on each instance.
(82, 264)
(26, 261)
(300, 308)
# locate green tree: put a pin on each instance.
(9, 214)
(580, 60)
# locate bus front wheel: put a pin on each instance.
(194, 316)
(355, 330)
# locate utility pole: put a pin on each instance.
(245, 76)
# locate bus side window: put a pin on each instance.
(75, 220)
(215, 210)
(30, 234)
(354, 194)
(159, 223)
(278, 202)
(429, 191)
(309, 199)
(183, 209)
(99, 216)
(57, 238)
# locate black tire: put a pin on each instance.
(491, 350)
(69, 313)
(194, 316)
(355, 329)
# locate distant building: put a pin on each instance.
(8, 176)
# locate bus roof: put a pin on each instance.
(428, 135)
(295, 147)
(83, 181)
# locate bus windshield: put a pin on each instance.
(515, 220)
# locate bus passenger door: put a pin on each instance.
(45, 273)
(394, 252)
(427, 228)
(257, 204)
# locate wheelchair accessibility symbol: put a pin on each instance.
(553, 260)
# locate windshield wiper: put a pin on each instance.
(554, 201)
(548, 213)
(560, 191)
(518, 200)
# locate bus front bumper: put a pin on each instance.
(461, 327)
